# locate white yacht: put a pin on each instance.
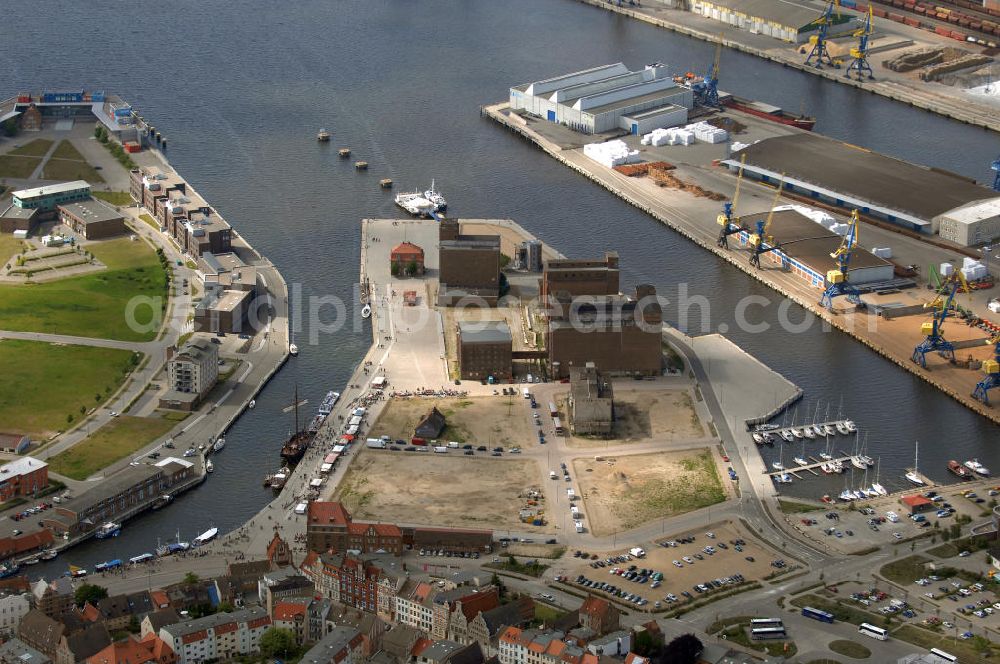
(977, 468)
(787, 435)
(366, 311)
(808, 432)
(415, 203)
(293, 350)
(783, 478)
(757, 438)
(800, 461)
(851, 426)
(252, 404)
(436, 199)
(109, 529)
(828, 429)
(913, 478)
(858, 463)
(826, 456)
(797, 433)
(219, 444)
(209, 466)
(777, 465)
(879, 489)
(842, 428)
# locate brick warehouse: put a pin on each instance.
(469, 265)
(484, 350)
(569, 278)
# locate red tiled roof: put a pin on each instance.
(149, 649)
(90, 613)
(420, 646)
(160, 599)
(594, 606)
(328, 513)
(480, 601)
(161, 651)
(407, 248)
(310, 560)
(226, 628)
(288, 610)
(421, 592)
(916, 501)
(510, 635)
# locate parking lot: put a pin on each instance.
(671, 570)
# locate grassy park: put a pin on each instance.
(92, 305)
(35, 148)
(117, 439)
(46, 385)
(9, 246)
(113, 197)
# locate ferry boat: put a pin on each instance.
(49, 554)
(366, 311)
(329, 401)
(219, 444)
(162, 501)
(960, 470)
(141, 558)
(977, 468)
(109, 565)
(109, 529)
(316, 423)
(209, 466)
(205, 537)
(436, 199)
(415, 203)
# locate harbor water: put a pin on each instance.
(240, 90)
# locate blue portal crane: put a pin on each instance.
(836, 280)
(992, 370)
(859, 64)
(726, 225)
(706, 91)
(934, 340)
(819, 55)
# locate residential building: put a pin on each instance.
(366, 583)
(81, 644)
(118, 611)
(218, 636)
(225, 309)
(400, 641)
(371, 627)
(16, 651)
(93, 219)
(53, 598)
(484, 350)
(407, 259)
(13, 607)
(228, 272)
(469, 266)
(152, 623)
(48, 197)
(613, 644)
(290, 614)
(517, 646)
(566, 278)
(149, 649)
(483, 626)
(283, 584)
(469, 601)
(415, 605)
(343, 645)
(599, 615)
(41, 632)
(194, 369)
(591, 402)
(449, 652)
(330, 527)
(619, 334)
(24, 476)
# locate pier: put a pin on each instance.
(810, 468)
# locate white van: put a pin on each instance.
(553, 475)
(637, 552)
(526, 393)
(440, 450)
(579, 526)
(453, 445)
(301, 508)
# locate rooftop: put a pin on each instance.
(110, 487)
(783, 12)
(91, 211)
(50, 189)
(196, 350)
(215, 620)
(484, 332)
(15, 212)
(20, 466)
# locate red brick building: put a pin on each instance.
(23, 477)
(331, 528)
(151, 649)
(598, 615)
(405, 256)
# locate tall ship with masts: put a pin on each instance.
(300, 439)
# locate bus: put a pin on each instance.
(761, 633)
(765, 622)
(873, 631)
(816, 614)
(948, 657)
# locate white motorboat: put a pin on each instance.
(842, 428)
(783, 478)
(209, 466)
(109, 529)
(768, 438)
(366, 311)
(436, 199)
(977, 468)
(205, 537)
(808, 432)
(415, 203)
(818, 430)
(757, 438)
(219, 444)
(252, 404)
(851, 426)
(293, 350)
(787, 435)
(800, 461)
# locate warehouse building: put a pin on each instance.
(909, 195)
(469, 266)
(787, 20)
(806, 247)
(568, 277)
(484, 350)
(607, 98)
(591, 402)
(970, 225)
(92, 219)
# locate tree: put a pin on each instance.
(411, 268)
(89, 592)
(685, 649)
(394, 268)
(497, 583)
(645, 644)
(9, 127)
(277, 641)
(190, 577)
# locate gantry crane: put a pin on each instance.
(726, 225)
(859, 63)
(819, 55)
(836, 280)
(996, 172)
(992, 370)
(934, 340)
(706, 92)
(763, 236)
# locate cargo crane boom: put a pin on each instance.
(934, 341)
(819, 55)
(727, 227)
(837, 283)
(706, 91)
(992, 370)
(859, 63)
(763, 236)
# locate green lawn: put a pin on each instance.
(66, 150)
(8, 247)
(113, 197)
(18, 167)
(35, 148)
(66, 169)
(850, 649)
(118, 438)
(792, 507)
(905, 570)
(967, 650)
(45, 383)
(92, 305)
(150, 221)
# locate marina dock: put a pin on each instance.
(810, 468)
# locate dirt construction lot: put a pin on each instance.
(492, 421)
(666, 414)
(623, 492)
(724, 562)
(438, 489)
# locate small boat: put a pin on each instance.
(33, 560)
(209, 466)
(777, 465)
(879, 489)
(829, 430)
(49, 554)
(808, 432)
(757, 438)
(205, 537)
(323, 136)
(366, 311)
(768, 439)
(818, 430)
(826, 468)
(436, 199)
(867, 460)
(109, 529)
(800, 461)
(9, 569)
(293, 350)
(797, 433)
(344, 153)
(977, 468)
(787, 435)
(162, 501)
(842, 428)
(826, 456)
(959, 470)
(858, 463)
(851, 426)
(219, 444)
(783, 478)
(252, 404)
(278, 481)
(826, 498)
(415, 203)
(766, 427)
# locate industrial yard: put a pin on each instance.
(479, 420)
(661, 414)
